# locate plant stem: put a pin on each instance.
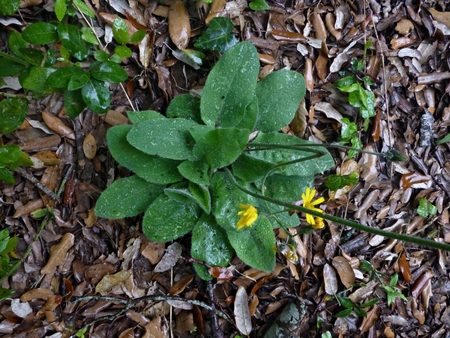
(355, 225)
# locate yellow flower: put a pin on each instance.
(248, 216)
(310, 204)
(318, 223)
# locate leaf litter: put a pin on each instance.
(408, 66)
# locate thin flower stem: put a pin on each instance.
(355, 225)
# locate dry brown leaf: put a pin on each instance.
(179, 24)
(89, 146)
(414, 180)
(308, 74)
(330, 280)
(344, 270)
(319, 26)
(371, 318)
(58, 253)
(155, 329)
(154, 252)
(281, 35)
(442, 17)
(40, 293)
(321, 62)
(47, 157)
(109, 282)
(404, 268)
(115, 118)
(91, 219)
(50, 179)
(170, 258)
(404, 26)
(242, 312)
(418, 313)
(298, 124)
(41, 143)
(217, 9)
(421, 283)
(368, 165)
(29, 3)
(253, 304)
(179, 286)
(55, 124)
(109, 19)
(28, 208)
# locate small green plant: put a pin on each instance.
(392, 291)
(7, 259)
(11, 157)
(190, 164)
(350, 306)
(426, 208)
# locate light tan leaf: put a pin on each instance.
(179, 286)
(50, 179)
(55, 124)
(47, 157)
(29, 3)
(28, 208)
(109, 282)
(41, 293)
(115, 118)
(330, 279)
(298, 124)
(344, 270)
(442, 17)
(321, 62)
(89, 146)
(58, 253)
(242, 312)
(217, 9)
(309, 76)
(179, 24)
(319, 26)
(170, 258)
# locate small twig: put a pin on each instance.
(65, 179)
(214, 322)
(38, 184)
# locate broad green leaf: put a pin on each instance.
(40, 33)
(60, 9)
(250, 168)
(209, 244)
(149, 167)
(179, 192)
(101, 55)
(336, 182)
(360, 312)
(345, 301)
(10, 67)
(70, 36)
(166, 219)
(83, 8)
(185, 106)
(36, 81)
(127, 197)
(345, 83)
(33, 56)
(195, 171)
(259, 5)
(61, 76)
(120, 31)
(108, 71)
(9, 154)
(123, 51)
(226, 198)
(201, 195)
(9, 7)
(313, 165)
(73, 102)
(217, 36)
(221, 147)
(6, 176)
(250, 116)
(97, 96)
(78, 80)
(16, 42)
(230, 86)
(139, 116)
(348, 129)
(287, 188)
(168, 138)
(88, 35)
(138, 36)
(279, 94)
(254, 246)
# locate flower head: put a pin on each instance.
(310, 204)
(248, 216)
(318, 223)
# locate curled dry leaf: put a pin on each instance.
(89, 146)
(47, 157)
(368, 164)
(115, 118)
(39, 293)
(415, 180)
(217, 9)
(179, 25)
(221, 274)
(344, 270)
(58, 253)
(370, 320)
(55, 124)
(242, 312)
(330, 279)
(169, 260)
(404, 268)
(109, 282)
(421, 283)
(50, 179)
(28, 208)
(179, 286)
(309, 76)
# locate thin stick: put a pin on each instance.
(38, 184)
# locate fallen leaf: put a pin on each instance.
(109, 282)
(58, 253)
(179, 286)
(344, 270)
(371, 318)
(89, 146)
(404, 268)
(28, 208)
(330, 280)
(242, 312)
(20, 309)
(179, 25)
(39, 293)
(171, 257)
(55, 124)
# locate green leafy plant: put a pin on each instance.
(335, 182)
(187, 164)
(426, 208)
(349, 134)
(392, 291)
(9, 7)
(7, 246)
(350, 306)
(217, 36)
(11, 157)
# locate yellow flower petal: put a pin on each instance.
(310, 204)
(318, 223)
(248, 216)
